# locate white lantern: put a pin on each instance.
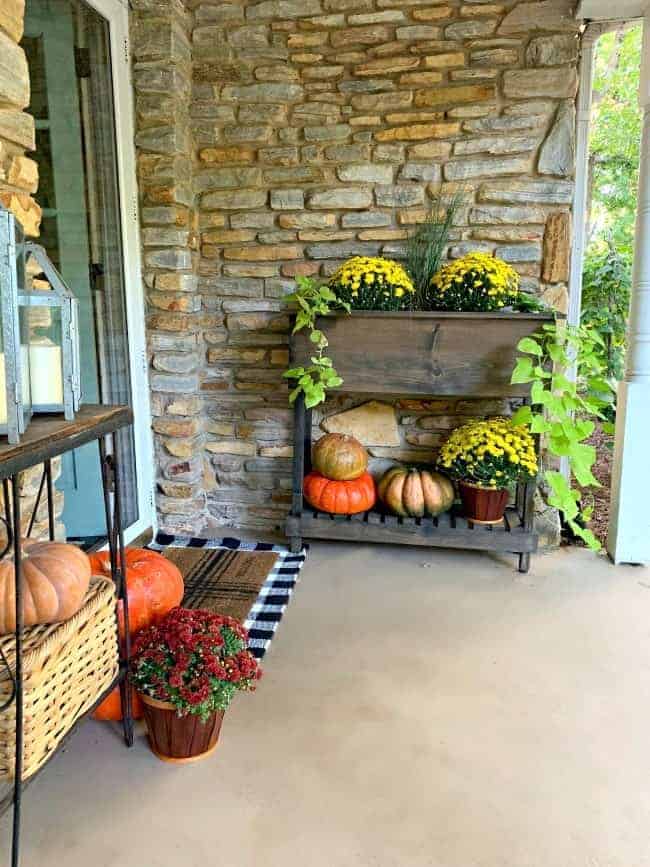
(40, 368)
(54, 356)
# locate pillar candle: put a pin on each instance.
(46, 374)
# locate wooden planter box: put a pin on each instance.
(462, 354)
(415, 354)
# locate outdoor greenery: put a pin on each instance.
(606, 301)
(615, 138)
(313, 300)
(426, 247)
(564, 411)
(613, 184)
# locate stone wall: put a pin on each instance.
(18, 172)
(321, 129)
(162, 71)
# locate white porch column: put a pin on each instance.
(629, 530)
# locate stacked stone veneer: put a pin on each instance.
(277, 138)
(18, 172)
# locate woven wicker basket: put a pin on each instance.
(66, 668)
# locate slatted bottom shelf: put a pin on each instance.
(450, 530)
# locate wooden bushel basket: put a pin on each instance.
(179, 739)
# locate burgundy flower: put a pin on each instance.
(186, 654)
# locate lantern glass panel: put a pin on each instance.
(45, 353)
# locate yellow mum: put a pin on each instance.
(477, 281)
(373, 283)
(474, 454)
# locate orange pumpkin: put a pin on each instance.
(55, 579)
(154, 586)
(340, 498)
(339, 457)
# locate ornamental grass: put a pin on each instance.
(492, 453)
(372, 283)
(427, 244)
(476, 282)
(195, 660)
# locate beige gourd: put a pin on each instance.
(410, 492)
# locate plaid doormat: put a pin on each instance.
(268, 608)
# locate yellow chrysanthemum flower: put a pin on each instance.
(372, 283)
(475, 454)
(477, 281)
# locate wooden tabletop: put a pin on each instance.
(50, 435)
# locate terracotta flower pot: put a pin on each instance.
(483, 505)
(179, 739)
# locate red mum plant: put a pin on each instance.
(194, 659)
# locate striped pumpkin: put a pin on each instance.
(410, 492)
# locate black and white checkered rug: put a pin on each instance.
(274, 596)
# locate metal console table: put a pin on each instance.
(48, 437)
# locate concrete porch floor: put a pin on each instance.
(419, 709)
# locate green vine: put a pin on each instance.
(564, 409)
(314, 300)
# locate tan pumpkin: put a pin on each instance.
(339, 457)
(55, 581)
(413, 492)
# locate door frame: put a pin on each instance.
(116, 13)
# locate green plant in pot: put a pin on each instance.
(487, 458)
(186, 670)
(570, 391)
(366, 283)
(360, 283)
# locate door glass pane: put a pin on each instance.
(68, 49)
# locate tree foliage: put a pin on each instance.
(606, 302)
(615, 138)
(613, 184)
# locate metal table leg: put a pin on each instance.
(299, 434)
(7, 520)
(115, 533)
(45, 484)
(50, 500)
(526, 502)
(18, 762)
(125, 691)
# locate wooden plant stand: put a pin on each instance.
(463, 355)
(46, 438)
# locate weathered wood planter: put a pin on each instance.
(415, 354)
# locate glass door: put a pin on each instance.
(68, 46)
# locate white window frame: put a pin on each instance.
(116, 13)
